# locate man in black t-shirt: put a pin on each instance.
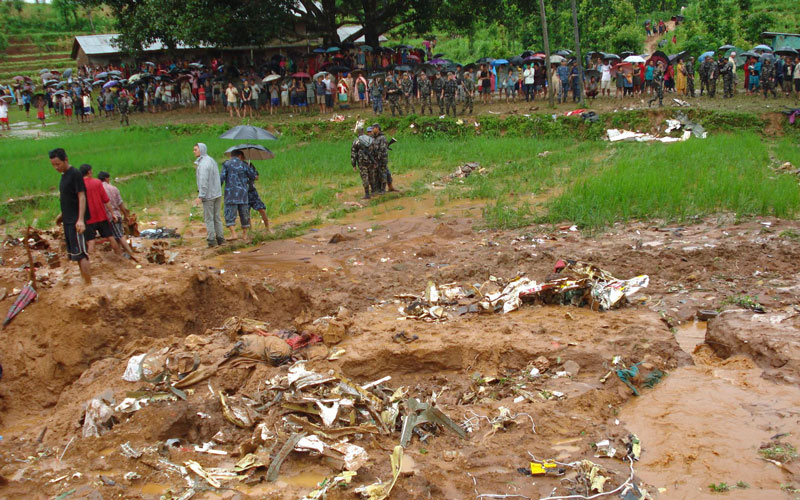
(74, 210)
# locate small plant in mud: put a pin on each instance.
(790, 234)
(742, 485)
(789, 488)
(746, 301)
(776, 450)
(719, 487)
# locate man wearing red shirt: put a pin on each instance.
(98, 202)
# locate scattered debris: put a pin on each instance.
(464, 171)
(582, 284)
(160, 233)
(380, 490)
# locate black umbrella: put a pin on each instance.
(337, 68)
(589, 73)
(748, 53)
(485, 60)
(625, 53)
(659, 56)
(725, 47)
(673, 58)
(786, 51)
(440, 54)
(563, 53)
(403, 47)
(248, 133)
(517, 61)
(379, 74)
(429, 69)
(767, 55)
(527, 53)
(613, 56)
(251, 152)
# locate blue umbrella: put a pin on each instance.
(702, 57)
(332, 49)
(319, 51)
(763, 47)
(498, 62)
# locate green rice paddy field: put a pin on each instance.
(590, 183)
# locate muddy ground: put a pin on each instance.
(729, 385)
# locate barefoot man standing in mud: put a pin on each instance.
(74, 211)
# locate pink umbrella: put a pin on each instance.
(26, 296)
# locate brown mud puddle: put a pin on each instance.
(704, 425)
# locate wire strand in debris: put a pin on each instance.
(491, 495)
(66, 448)
(598, 495)
(500, 419)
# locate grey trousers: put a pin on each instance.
(213, 219)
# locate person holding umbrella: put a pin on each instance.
(236, 177)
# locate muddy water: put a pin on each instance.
(704, 424)
(691, 334)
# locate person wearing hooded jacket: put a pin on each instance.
(209, 194)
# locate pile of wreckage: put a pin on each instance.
(577, 283)
(300, 410)
(682, 123)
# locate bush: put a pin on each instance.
(3, 42)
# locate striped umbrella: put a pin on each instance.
(26, 296)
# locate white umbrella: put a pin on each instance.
(555, 58)
(321, 73)
(270, 78)
(634, 59)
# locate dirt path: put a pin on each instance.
(651, 44)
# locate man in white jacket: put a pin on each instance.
(209, 194)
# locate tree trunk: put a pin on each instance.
(371, 24)
(547, 54)
(578, 53)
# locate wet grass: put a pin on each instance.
(589, 183)
(675, 182)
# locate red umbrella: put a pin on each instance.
(26, 296)
(412, 57)
(301, 75)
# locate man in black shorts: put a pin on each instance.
(73, 211)
(486, 84)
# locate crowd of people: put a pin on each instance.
(399, 80)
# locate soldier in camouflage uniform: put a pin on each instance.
(407, 86)
(658, 85)
(689, 66)
(768, 78)
(438, 86)
(449, 93)
(376, 95)
(361, 157)
(424, 92)
(393, 95)
(727, 80)
(381, 154)
(705, 67)
(713, 75)
(469, 92)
